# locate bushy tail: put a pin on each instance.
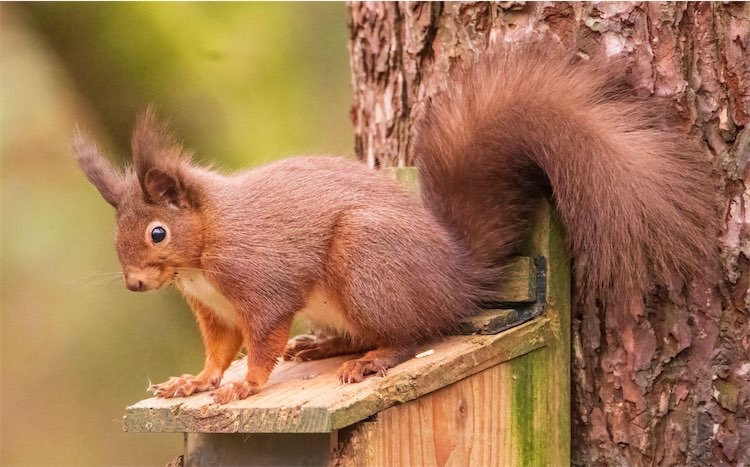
(635, 196)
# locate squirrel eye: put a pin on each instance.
(158, 234)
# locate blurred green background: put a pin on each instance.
(243, 84)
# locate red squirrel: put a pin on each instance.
(373, 267)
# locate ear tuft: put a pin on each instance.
(161, 187)
(100, 172)
(159, 161)
(154, 146)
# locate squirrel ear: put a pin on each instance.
(161, 187)
(100, 172)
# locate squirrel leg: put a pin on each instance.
(221, 343)
(306, 347)
(376, 361)
(263, 349)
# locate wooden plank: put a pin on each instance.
(490, 322)
(519, 284)
(548, 240)
(495, 417)
(258, 449)
(307, 397)
(460, 361)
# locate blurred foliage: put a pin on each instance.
(243, 84)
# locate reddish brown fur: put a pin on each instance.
(633, 197)
(221, 345)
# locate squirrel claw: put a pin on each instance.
(181, 386)
(234, 392)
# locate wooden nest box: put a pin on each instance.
(499, 394)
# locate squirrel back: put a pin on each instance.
(634, 194)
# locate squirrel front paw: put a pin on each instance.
(182, 386)
(235, 391)
(354, 371)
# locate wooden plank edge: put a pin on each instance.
(222, 419)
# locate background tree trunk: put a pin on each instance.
(672, 385)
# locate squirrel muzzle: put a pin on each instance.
(142, 280)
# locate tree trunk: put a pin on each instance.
(672, 385)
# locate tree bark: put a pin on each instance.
(671, 386)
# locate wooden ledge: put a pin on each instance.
(307, 397)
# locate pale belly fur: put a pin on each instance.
(321, 310)
(195, 285)
(324, 311)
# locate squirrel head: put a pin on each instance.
(159, 223)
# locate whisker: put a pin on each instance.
(95, 275)
(103, 281)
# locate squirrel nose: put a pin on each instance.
(134, 284)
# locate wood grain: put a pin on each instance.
(499, 416)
